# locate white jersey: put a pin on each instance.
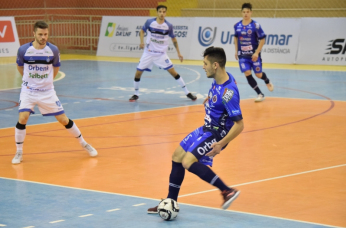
(157, 36)
(38, 66)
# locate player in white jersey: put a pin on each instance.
(39, 62)
(155, 50)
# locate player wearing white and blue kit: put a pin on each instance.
(223, 122)
(159, 31)
(38, 62)
(249, 39)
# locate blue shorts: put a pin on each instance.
(248, 64)
(199, 143)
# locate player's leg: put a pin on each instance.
(262, 75)
(26, 106)
(245, 67)
(145, 64)
(72, 128)
(165, 63)
(190, 162)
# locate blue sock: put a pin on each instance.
(206, 174)
(175, 180)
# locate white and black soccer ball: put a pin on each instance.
(168, 209)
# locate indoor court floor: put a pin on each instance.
(289, 162)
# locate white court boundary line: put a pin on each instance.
(240, 212)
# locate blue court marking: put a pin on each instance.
(99, 88)
(23, 207)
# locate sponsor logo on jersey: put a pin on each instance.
(206, 36)
(38, 76)
(214, 98)
(227, 95)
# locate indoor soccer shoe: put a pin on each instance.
(133, 98)
(259, 98)
(270, 86)
(91, 150)
(192, 97)
(18, 158)
(153, 210)
(229, 196)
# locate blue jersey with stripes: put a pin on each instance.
(248, 38)
(222, 107)
(38, 73)
(157, 36)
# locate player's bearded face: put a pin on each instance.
(209, 68)
(161, 13)
(41, 36)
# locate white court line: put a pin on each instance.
(268, 179)
(2, 225)
(57, 221)
(117, 209)
(82, 216)
(140, 204)
(29, 227)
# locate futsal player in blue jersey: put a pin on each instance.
(249, 39)
(223, 122)
(159, 31)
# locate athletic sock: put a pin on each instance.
(265, 78)
(19, 135)
(181, 82)
(136, 85)
(175, 180)
(252, 82)
(75, 132)
(206, 174)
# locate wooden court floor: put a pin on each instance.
(289, 161)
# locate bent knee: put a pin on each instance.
(187, 162)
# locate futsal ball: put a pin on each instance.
(168, 209)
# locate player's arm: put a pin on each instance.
(175, 43)
(141, 37)
(20, 70)
(236, 129)
(55, 71)
(236, 47)
(258, 50)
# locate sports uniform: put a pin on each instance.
(222, 108)
(37, 86)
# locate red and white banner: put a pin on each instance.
(9, 42)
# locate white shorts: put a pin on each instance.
(147, 60)
(47, 101)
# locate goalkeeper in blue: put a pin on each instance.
(223, 122)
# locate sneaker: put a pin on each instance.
(91, 150)
(192, 97)
(133, 98)
(18, 158)
(260, 98)
(270, 86)
(229, 196)
(153, 210)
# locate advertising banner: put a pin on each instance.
(280, 45)
(9, 42)
(322, 41)
(119, 36)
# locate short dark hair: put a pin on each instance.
(247, 6)
(216, 54)
(41, 25)
(160, 6)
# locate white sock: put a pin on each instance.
(182, 84)
(136, 85)
(74, 130)
(19, 136)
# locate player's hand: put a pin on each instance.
(205, 100)
(236, 56)
(216, 149)
(141, 46)
(181, 58)
(254, 57)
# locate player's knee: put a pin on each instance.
(23, 119)
(187, 162)
(258, 75)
